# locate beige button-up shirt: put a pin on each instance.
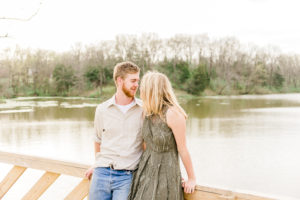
(119, 135)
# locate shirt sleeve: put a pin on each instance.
(98, 126)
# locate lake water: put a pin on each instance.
(242, 143)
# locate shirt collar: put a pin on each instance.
(112, 101)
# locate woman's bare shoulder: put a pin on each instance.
(173, 115)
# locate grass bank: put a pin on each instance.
(183, 96)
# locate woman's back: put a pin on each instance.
(158, 175)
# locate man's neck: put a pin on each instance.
(122, 99)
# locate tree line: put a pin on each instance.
(194, 63)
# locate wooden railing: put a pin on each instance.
(54, 168)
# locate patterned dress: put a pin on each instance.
(158, 176)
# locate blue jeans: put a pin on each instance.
(109, 184)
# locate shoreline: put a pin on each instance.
(179, 93)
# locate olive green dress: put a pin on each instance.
(158, 176)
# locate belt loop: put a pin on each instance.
(111, 166)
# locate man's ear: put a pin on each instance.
(119, 81)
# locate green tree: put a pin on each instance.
(64, 78)
(261, 76)
(277, 80)
(181, 73)
(92, 75)
(199, 80)
(98, 76)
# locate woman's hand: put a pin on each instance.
(89, 173)
(189, 185)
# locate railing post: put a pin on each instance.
(41, 186)
(10, 179)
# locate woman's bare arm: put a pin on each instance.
(177, 122)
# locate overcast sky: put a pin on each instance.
(60, 24)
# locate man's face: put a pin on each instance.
(131, 84)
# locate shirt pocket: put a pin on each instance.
(111, 125)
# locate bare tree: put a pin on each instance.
(26, 19)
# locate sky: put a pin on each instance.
(60, 24)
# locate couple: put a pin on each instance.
(137, 143)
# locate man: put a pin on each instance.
(118, 141)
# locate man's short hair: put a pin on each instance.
(124, 68)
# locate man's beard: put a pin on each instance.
(127, 92)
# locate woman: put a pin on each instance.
(158, 176)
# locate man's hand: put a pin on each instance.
(89, 173)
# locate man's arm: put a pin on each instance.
(97, 147)
(97, 139)
(90, 171)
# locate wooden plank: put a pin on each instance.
(205, 196)
(10, 179)
(41, 186)
(213, 190)
(35, 162)
(80, 191)
(240, 196)
(207, 193)
(211, 194)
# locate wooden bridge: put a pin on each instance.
(54, 168)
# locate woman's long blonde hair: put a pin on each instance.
(156, 92)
